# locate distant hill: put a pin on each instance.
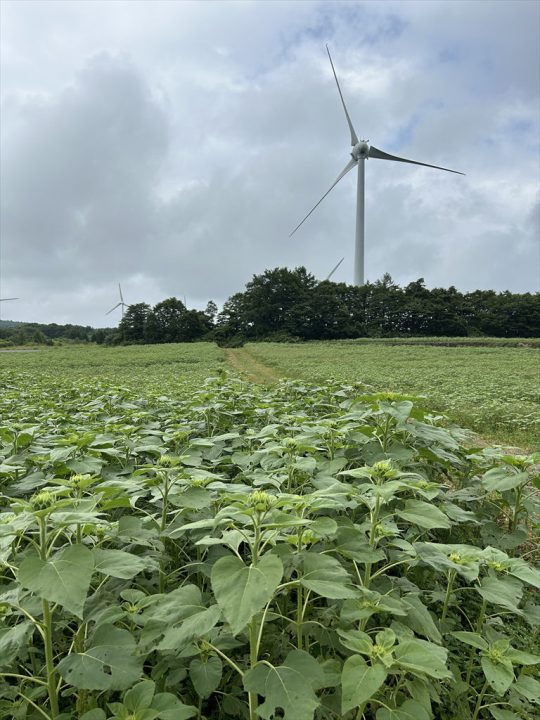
(10, 323)
(20, 333)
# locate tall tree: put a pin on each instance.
(133, 325)
(167, 325)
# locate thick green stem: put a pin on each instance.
(49, 659)
(162, 526)
(449, 587)
(253, 645)
(384, 443)
(299, 616)
(164, 509)
(253, 634)
(47, 629)
(478, 705)
(374, 517)
(78, 646)
(478, 629)
(517, 508)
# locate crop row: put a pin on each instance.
(493, 390)
(302, 552)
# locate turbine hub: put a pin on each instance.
(360, 150)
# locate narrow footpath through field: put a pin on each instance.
(246, 364)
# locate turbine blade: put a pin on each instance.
(114, 308)
(380, 155)
(120, 289)
(334, 269)
(4, 299)
(354, 138)
(342, 174)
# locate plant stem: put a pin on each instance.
(49, 661)
(33, 704)
(253, 634)
(24, 677)
(517, 508)
(78, 646)
(299, 614)
(478, 629)
(449, 586)
(253, 643)
(384, 443)
(162, 526)
(47, 629)
(226, 658)
(478, 705)
(374, 518)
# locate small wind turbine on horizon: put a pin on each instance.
(361, 151)
(333, 270)
(6, 300)
(121, 304)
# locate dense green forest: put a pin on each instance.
(293, 305)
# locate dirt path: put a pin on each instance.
(246, 364)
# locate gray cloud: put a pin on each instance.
(173, 146)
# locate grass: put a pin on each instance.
(172, 368)
(492, 389)
(230, 543)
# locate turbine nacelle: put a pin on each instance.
(360, 150)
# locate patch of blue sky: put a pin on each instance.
(404, 134)
(448, 55)
(348, 23)
(521, 127)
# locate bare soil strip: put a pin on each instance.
(246, 364)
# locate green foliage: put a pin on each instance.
(291, 302)
(177, 548)
(492, 389)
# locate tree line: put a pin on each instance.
(283, 304)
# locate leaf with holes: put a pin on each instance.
(110, 663)
(63, 578)
(290, 686)
(500, 675)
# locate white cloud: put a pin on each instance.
(173, 146)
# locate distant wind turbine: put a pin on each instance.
(334, 269)
(361, 151)
(6, 300)
(121, 304)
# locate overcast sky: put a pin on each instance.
(172, 147)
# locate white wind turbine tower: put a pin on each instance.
(361, 151)
(121, 304)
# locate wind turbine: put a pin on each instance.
(5, 300)
(121, 304)
(361, 151)
(333, 270)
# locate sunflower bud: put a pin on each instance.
(260, 500)
(42, 500)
